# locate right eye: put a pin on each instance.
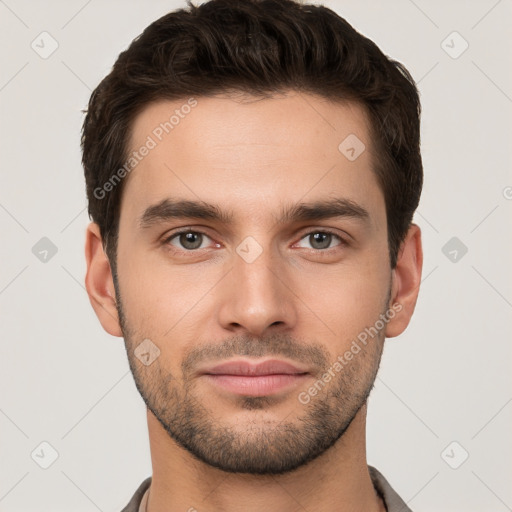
(187, 240)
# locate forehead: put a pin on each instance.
(251, 151)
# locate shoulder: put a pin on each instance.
(134, 504)
(392, 500)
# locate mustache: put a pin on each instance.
(312, 354)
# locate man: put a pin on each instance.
(252, 171)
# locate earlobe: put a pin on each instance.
(99, 283)
(406, 281)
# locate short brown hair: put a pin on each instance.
(259, 47)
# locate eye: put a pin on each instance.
(321, 240)
(188, 240)
(191, 240)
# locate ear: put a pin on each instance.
(406, 279)
(99, 282)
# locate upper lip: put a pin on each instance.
(244, 367)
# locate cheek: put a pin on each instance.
(163, 302)
(145, 294)
(347, 299)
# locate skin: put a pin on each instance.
(297, 301)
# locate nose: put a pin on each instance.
(256, 296)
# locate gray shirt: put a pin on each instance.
(391, 499)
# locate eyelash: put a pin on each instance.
(166, 241)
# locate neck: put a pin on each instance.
(338, 480)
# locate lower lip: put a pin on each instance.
(261, 385)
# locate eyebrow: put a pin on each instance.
(168, 209)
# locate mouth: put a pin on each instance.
(243, 377)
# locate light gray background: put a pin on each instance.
(63, 380)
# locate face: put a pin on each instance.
(252, 253)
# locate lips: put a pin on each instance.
(248, 369)
(244, 378)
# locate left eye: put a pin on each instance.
(322, 239)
